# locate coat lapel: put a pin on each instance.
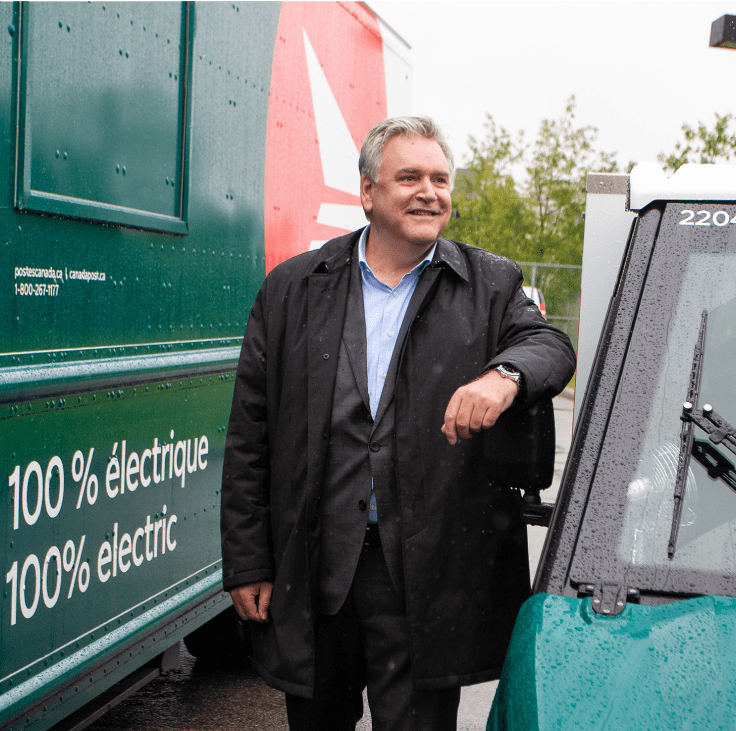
(327, 284)
(354, 335)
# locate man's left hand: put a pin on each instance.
(477, 405)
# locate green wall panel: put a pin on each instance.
(121, 285)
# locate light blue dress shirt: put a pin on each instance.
(385, 309)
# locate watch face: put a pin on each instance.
(509, 372)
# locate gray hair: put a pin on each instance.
(371, 154)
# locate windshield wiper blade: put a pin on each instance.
(687, 434)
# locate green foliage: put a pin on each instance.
(560, 160)
(525, 201)
(702, 145)
(490, 211)
(537, 219)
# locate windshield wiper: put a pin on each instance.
(719, 431)
(687, 434)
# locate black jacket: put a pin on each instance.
(464, 546)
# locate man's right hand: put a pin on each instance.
(252, 601)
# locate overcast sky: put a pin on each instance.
(638, 70)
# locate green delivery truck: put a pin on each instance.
(158, 159)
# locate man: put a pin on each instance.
(362, 529)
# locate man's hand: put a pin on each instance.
(477, 405)
(252, 601)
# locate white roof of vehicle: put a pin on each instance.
(647, 183)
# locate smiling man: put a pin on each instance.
(362, 530)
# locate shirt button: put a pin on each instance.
(394, 294)
(361, 504)
(375, 446)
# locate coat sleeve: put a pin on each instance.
(244, 517)
(543, 354)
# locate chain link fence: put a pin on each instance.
(560, 287)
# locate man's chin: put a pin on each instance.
(425, 237)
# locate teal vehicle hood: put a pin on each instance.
(664, 667)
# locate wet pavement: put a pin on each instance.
(199, 697)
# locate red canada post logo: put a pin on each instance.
(328, 88)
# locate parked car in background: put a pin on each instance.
(536, 296)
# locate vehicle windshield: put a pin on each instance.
(707, 531)
(628, 520)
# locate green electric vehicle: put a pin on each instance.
(633, 614)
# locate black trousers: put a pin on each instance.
(366, 643)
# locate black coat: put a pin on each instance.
(464, 547)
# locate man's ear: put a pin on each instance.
(366, 193)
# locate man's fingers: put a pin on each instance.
(252, 601)
(489, 419)
(448, 428)
(451, 435)
(464, 422)
(461, 417)
(477, 406)
(464, 416)
(478, 417)
(264, 600)
(250, 605)
(243, 602)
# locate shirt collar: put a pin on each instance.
(419, 268)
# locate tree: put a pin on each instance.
(557, 169)
(489, 209)
(702, 145)
(540, 218)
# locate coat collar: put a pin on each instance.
(448, 254)
(333, 255)
(337, 253)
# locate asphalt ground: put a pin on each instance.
(198, 697)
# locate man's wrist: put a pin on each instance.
(507, 371)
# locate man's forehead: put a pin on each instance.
(413, 153)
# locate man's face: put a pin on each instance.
(410, 203)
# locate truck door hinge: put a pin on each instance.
(608, 599)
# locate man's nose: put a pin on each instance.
(426, 190)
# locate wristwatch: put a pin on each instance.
(509, 372)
